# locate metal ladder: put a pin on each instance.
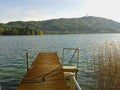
(72, 70)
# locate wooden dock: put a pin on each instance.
(46, 73)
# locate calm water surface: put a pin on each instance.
(13, 49)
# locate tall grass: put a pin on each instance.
(106, 67)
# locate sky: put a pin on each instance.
(39, 10)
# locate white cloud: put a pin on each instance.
(19, 14)
(103, 8)
(31, 15)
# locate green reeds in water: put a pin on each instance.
(106, 67)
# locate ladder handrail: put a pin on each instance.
(76, 49)
(75, 81)
(72, 56)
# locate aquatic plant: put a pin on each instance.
(106, 66)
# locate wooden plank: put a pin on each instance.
(73, 69)
(70, 68)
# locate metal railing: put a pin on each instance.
(73, 81)
(76, 50)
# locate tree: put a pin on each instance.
(1, 31)
(39, 32)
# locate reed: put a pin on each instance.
(106, 67)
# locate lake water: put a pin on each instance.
(13, 49)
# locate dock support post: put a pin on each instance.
(27, 61)
(72, 84)
(63, 57)
(0, 87)
(78, 56)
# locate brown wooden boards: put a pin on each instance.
(46, 73)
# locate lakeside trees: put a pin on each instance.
(20, 31)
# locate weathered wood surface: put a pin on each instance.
(45, 73)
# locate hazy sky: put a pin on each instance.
(37, 10)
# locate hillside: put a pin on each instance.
(87, 24)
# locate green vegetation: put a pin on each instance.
(19, 31)
(61, 26)
(106, 67)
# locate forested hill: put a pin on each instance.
(88, 24)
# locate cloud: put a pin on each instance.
(33, 15)
(19, 14)
(103, 8)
